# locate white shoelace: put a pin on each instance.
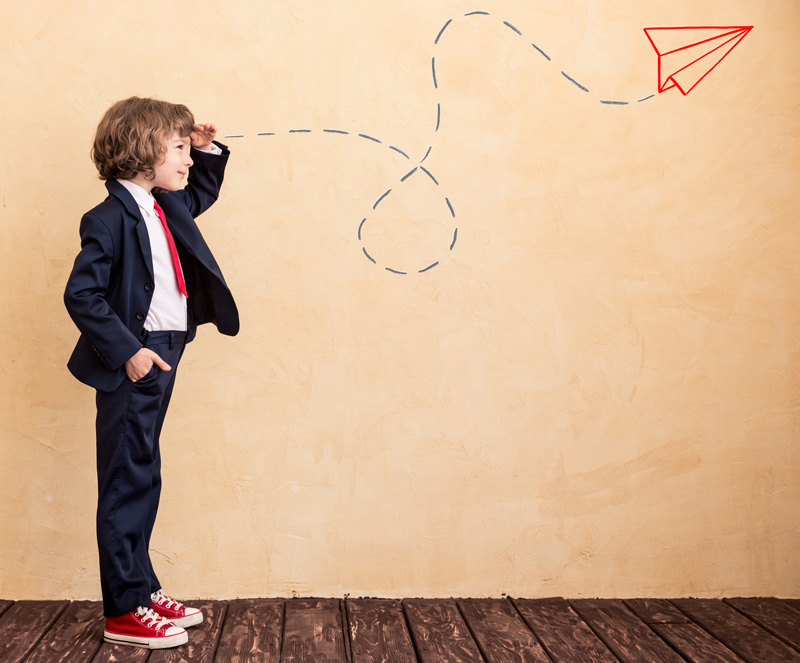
(152, 619)
(162, 599)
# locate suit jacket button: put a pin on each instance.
(148, 287)
(140, 316)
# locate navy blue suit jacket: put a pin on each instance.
(109, 291)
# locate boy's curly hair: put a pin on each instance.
(132, 136)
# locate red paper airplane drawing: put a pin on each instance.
(687, 55)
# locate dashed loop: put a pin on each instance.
(437, 127)
(539, 49)
(394, 269)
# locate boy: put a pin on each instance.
(142, 282)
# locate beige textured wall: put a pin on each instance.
(595, 392)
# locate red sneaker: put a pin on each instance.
(176, 612)
(143, 628)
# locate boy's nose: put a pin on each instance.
(189, 161)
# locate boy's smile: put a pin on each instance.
(170, 172)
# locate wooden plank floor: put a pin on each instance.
(752, 630)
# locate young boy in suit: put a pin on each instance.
(143, 280)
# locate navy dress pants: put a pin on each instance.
(129, 421)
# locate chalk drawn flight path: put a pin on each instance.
(682, 66)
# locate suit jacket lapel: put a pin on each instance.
(116, 189)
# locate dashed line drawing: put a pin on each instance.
(572, 80)
(397, 149)
(685, 57)
(425, 269)
(541, 51)
(368, 255)
(441, 32)
(381, 198)
(408, 174)
(428, 173)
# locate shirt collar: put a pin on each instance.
(142, 198)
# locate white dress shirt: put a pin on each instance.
(168, 306)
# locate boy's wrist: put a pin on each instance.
(211, 148)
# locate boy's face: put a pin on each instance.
(170, 172)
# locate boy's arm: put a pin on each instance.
(205, 176)
(85, 294)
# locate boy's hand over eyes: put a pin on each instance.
(202, 135)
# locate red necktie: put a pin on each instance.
(173, 251)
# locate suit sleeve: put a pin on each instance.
(85, 295)
(205, 180)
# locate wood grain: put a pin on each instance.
(762, 630)
(348, 653)
(5, 605)
(772, 615)
(624, 633)
(75, 637)
(656, 611)
(748, 640)
(313, 632)
(564, 635)
(501, 634)
(252, 632)
(694, 644)
(23, 624)
(792, 603)
(203, 638)
(378, 632)
(440, 633)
